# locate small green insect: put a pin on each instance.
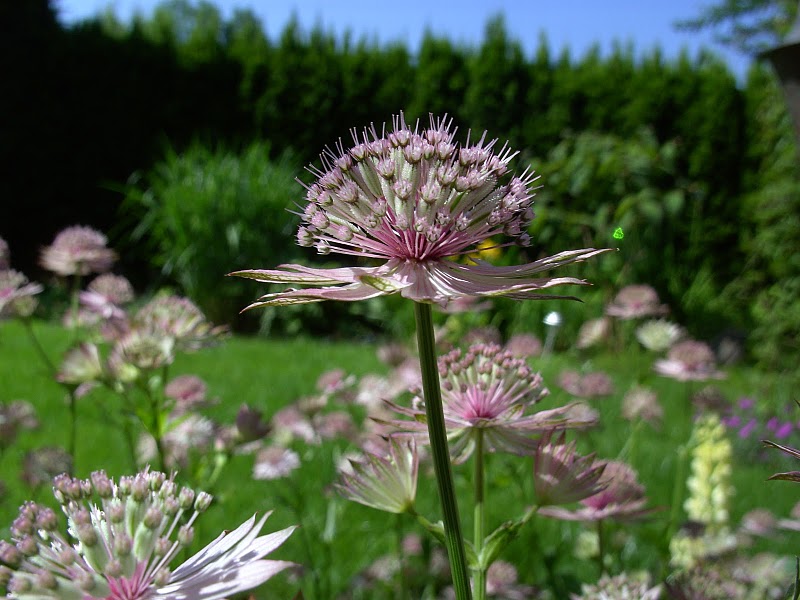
(618, 233)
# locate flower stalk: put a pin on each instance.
(479, 515)
(440, 452)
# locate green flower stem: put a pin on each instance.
(601, 547)
(439, 450)
(479, 515)
(27, 322)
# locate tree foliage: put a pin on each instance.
(675, 150)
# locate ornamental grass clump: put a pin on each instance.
(415, 201)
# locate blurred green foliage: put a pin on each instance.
(201, 214)
(699, 170)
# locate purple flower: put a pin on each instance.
(16, 294)
(748, 428)
(560, 476)
(487, 389)
(689, 360)
(415, 200)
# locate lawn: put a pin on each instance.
(337, 539)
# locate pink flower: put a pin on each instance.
(634, 301)
(124, 537)
(560, 476)
(622, 498)
(16, 293)
(416, 201)
(78, 251)
(689, 360)
(275, 462)
(589, 385)
(487, 389)
(387, 482)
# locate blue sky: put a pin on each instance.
(576, 24)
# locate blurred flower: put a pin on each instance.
(710, 398)
(659, 335)
(414, 200)
(393, 354)
(124, 538)
(81, 364)
(275, 462)
(334, 381)
(186, 435)
(16, 294)
(177, 319)
(502, 582)
(5, 255)
(482, 335)
(622, 498)
(115, 289)
(41, 465)
(139, 350)
(250, 424)
(466, 304)
(689, 360)
(625, 586)
(336, 424)
(386, 482)
(188, 392)
(15, 416)
(593, 332)
(524, 345)
(560, 476)
(709, 484)
(588, 385)
(642, 403)
(635, 301)
(290, 423)
(758, 522)
(487, 390)
(78, 250)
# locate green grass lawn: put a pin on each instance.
(338, 539)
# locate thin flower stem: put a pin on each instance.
(480, 517)
(73, 426)
(440, 452)
(38, 346)
(601, 547)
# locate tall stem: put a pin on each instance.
(440, 452)
(479, 515)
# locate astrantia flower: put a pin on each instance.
(624, 586)
(13, 417)
(523, 345)
(178, 319)
(78, 251)
(81, 364)
(560, 476)
(622, 498)
(642, 403)
(689, 360)
(188, 392)
(104, 297)
(587, 385)
(275, 462)
(593, 332)
(386, 482)
(415, 200)
(122, 541)
(658, 335)
(16, 293)
(487, 389)
(635, 301)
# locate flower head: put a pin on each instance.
(16, 293)
(622, 498)
(387, 482)
(78, 250)
(416, 200)
(592, 332)
(81, 364)
(658, 335)
(560, 476)
(588, 385)
(275, 462)
(689, 360)
(488, 390)
(13, 417)
(642, 403)
(620, 587)
(635, 301)
(177, 319)
(122, 539)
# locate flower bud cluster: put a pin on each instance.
(127, 531)
(415, 194)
